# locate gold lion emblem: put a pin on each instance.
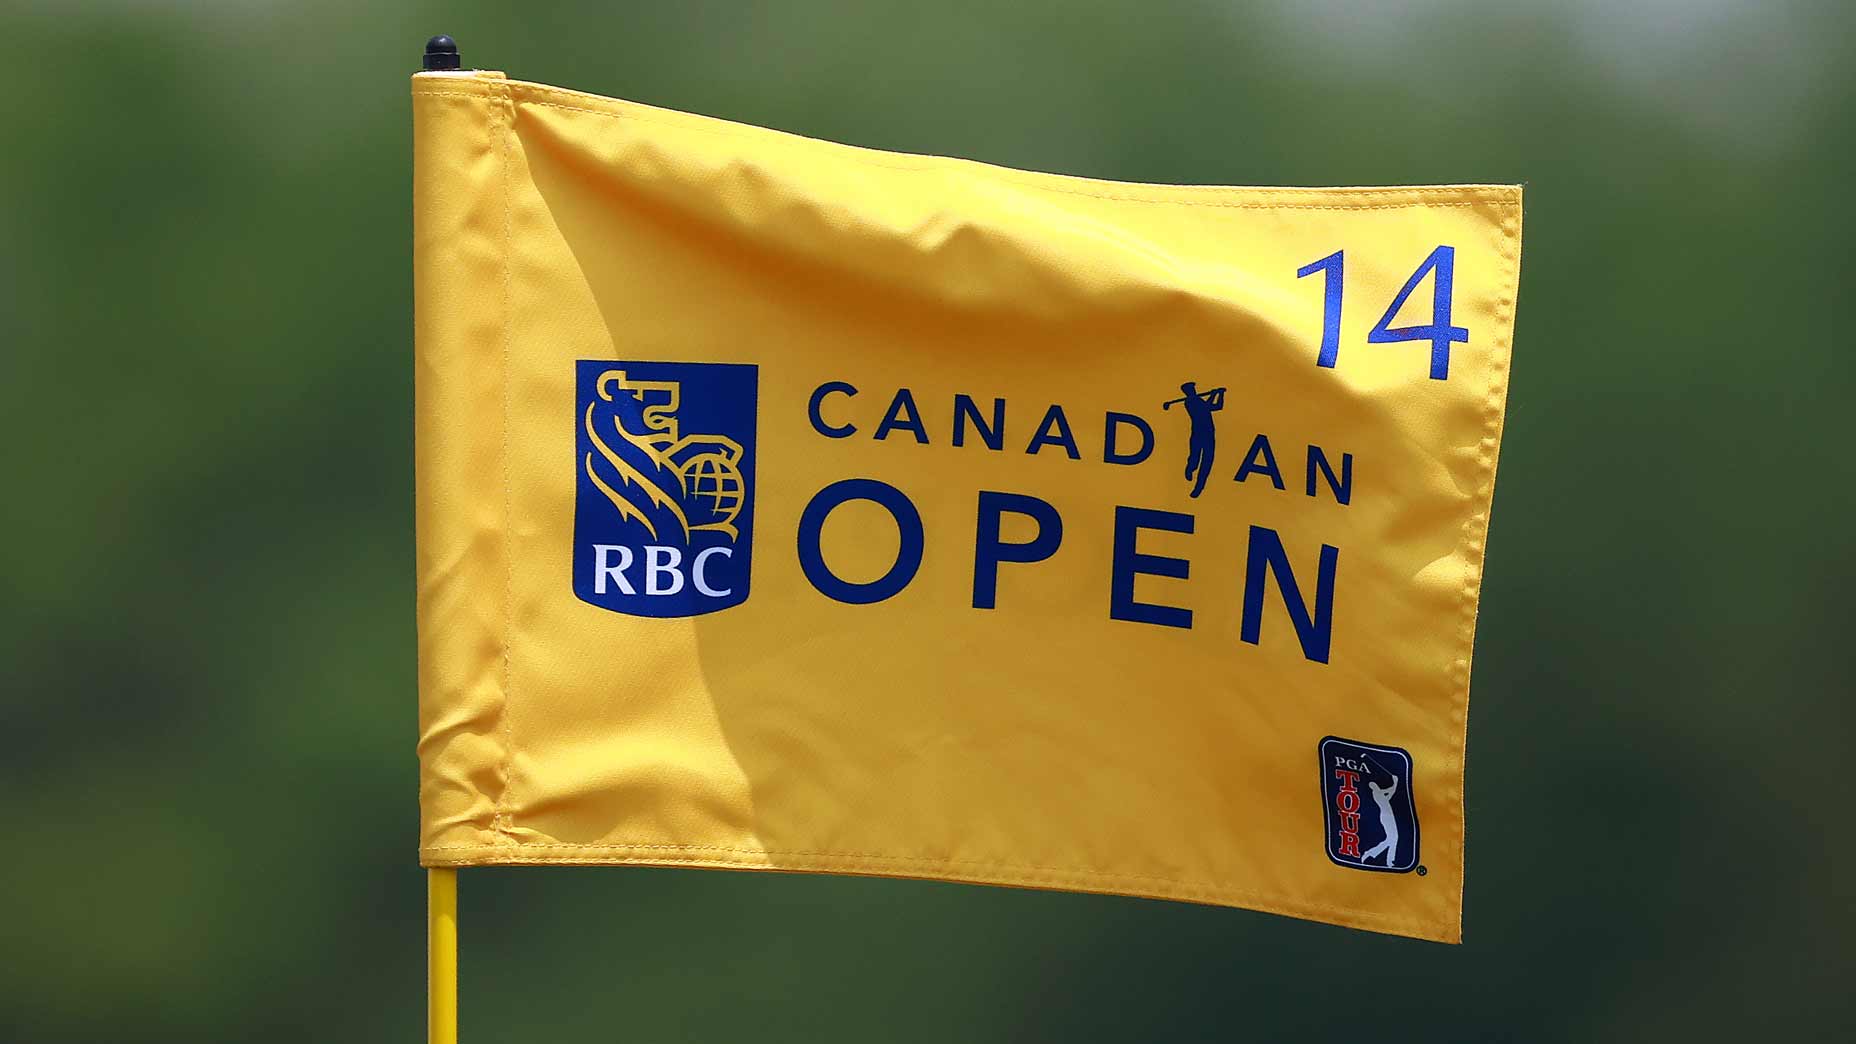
(696, 478)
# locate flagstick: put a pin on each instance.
(441, 939)
(441, 883)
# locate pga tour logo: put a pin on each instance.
(664, 501)
(1372, 821)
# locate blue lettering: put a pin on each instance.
(989, 551)
(993, 437)
(1111, 424)
(1054, 421)
(908, 554)
(1265, 555)
(1343, 486)
(818, 421)
(901, 407)
(1129, 562)
(1260, 450)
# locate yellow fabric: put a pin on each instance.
(1039, 742)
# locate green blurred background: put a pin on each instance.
(206, 634)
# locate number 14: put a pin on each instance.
(1439, 332)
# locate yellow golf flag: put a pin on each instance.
(791, 506)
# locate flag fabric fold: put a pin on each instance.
(786, 505)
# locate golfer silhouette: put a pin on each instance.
(1382, 796)
(1204, 436)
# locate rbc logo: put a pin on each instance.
(664, 504)
(1371, 819)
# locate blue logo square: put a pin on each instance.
(1372, 822)
(664, 498)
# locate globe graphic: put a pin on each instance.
(715, 484)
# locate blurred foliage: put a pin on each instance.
(207, 614)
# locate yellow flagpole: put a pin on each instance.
(441, 882)
(441, 940)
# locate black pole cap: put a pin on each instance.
(441, 53)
